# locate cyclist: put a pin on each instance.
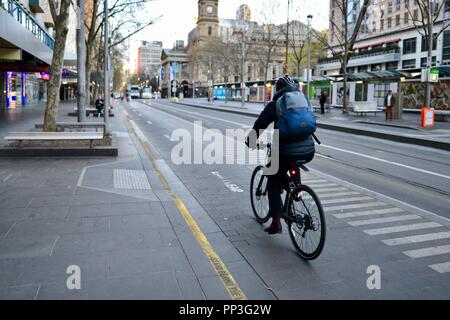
(289, 152)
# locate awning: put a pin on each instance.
(374, 75)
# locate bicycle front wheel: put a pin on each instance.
(259, 196)
(308, 229)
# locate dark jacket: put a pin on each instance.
(269, 115)
(393, 101)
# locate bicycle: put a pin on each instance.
(300, 219)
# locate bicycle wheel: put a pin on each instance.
(258, 195)
(308, 232)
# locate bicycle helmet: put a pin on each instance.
(283, 82)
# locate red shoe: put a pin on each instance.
(275, 227)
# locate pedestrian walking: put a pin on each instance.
(389, 103)
(323, 100)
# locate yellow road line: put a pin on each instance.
(220, 268)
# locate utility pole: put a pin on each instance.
(430, 12)
(210, 81)
(106, 69)
(309, 72)
(243, 72)
(286, 58)
(81, 63)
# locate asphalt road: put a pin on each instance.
(408, 238)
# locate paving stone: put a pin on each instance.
(133, 262)
(189, 286)
(26, 246)
(5, 227)
(19, 292)
(110, 241)
(155, 286)
(136, 222)
(59, 226)
(109, 209)
(213, 288)
(52, 269)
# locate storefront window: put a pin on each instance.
(361, 92)
(446, 46)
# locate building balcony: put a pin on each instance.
(367, 57)
(35, 6)
(20, 30)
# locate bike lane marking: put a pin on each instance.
(218, 265)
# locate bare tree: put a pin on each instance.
(425, 16)
(60, 19)
(345, 35)
(122, 17)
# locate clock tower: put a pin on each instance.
(208, 20)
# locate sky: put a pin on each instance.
(179, 17)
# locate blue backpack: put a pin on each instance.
(296, 120)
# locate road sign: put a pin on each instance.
(210, 83)
(431, 75)
(434, 75)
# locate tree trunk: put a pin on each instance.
(344, 72)
(53, 87)
(89, 55)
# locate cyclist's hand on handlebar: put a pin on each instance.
(250, 144)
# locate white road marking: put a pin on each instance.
(339, 194)
(354, 206)
(441, 267)
(344, 200)
(140, 115)
(366, 213)
(169, 137)
(427, 252)
(384, 220)
(387, 161)
(329, 190)
(317, 186)
(417, 239)
(149, 122)
(231, 186)
(307, 181)
(7, 178)
(210, 117)
(378, 195)
(409, 227)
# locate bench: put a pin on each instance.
(54, 136)
(316, 108)
(61, 126)
(364, 107)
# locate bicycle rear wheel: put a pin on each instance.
(259, 196)
(308, 232)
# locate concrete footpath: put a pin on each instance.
(108, 228)
(406, 130)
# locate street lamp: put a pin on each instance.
(285, 71)
(309, 72)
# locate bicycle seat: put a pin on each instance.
(300, 164)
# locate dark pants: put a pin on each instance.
(277, 182)
(389, 113)
(322, 107)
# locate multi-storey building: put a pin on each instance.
(204, 69)
(26, 49)
(149, 58)
(175, 68)
(388, 40)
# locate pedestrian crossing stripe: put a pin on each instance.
(417, 238)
